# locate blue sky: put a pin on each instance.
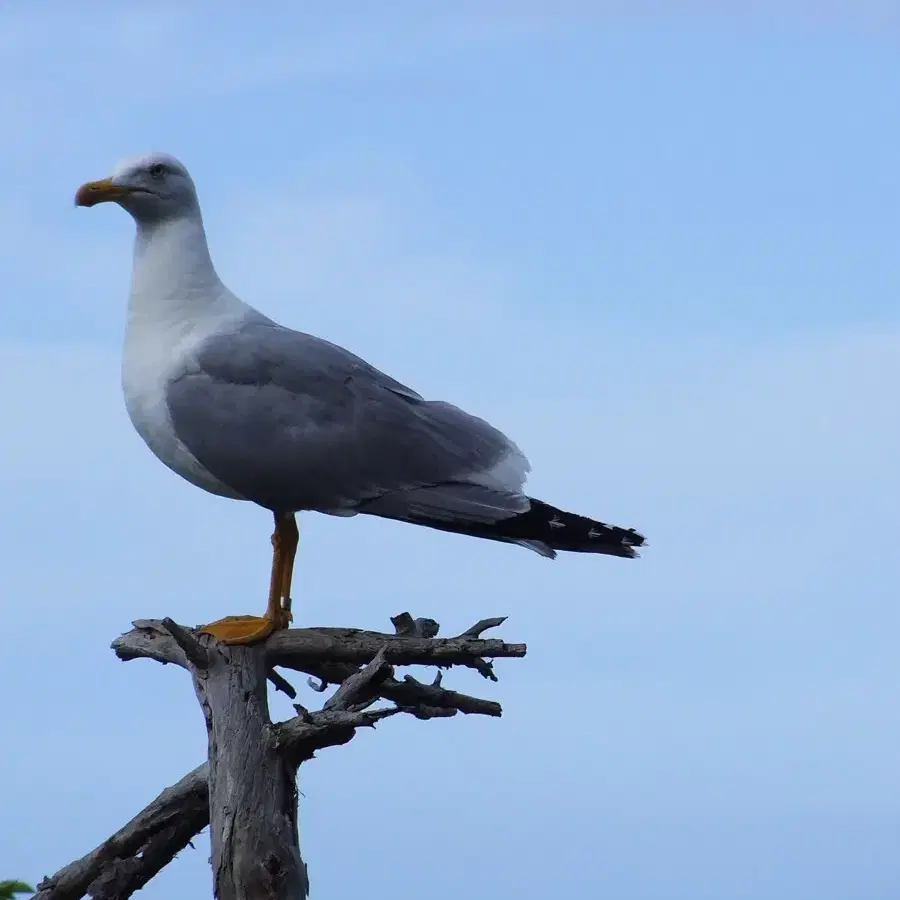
(659, 250)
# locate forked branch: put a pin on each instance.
(359, 662)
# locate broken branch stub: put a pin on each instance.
(247, 788)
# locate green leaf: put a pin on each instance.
(8, 889)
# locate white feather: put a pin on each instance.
(164, 326)
(508, 475)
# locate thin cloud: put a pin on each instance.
(736, 673)
(168, 53)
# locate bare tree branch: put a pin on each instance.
(299, 738)
(475, 631)
(361, 689)
(230, 684)
(413, 695)
(195, 652)
(126, 861)
(281, 684)
(297, 648)
(149, 639)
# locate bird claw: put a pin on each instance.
(241, 629)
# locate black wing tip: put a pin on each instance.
(624, 542)
(623, 550)
(566, 531)
(632, 539)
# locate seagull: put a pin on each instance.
(245, 408)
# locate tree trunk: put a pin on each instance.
(252, 788)
(247, 790)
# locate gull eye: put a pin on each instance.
(157, 170)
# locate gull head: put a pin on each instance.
(152, 187)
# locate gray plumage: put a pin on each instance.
(289, 420)
(247, 409)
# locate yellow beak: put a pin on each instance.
(103, 191)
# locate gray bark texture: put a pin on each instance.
(252, 786)
(246, 791)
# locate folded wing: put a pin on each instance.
(294, 422)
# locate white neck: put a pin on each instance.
(173, 279)
(177, 301)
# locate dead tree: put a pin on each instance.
(246, 790)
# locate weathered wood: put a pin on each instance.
(359, 689)
(127, 860)
(299, 648)
(252, 787)
(247, 790)
(195, 653)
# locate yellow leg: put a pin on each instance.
(290, 537)
(250, 629)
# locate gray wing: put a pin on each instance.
(294, 422)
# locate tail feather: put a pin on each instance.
(542, 528)
(557, 529)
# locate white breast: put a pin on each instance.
(177, 301)
(154, 353)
